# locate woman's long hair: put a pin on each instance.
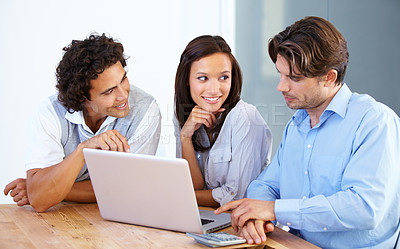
(198, 48)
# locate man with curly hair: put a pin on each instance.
(96, 107)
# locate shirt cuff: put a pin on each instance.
(221, 196)
(287, 212)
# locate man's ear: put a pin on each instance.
(83, 101)
(330, 77)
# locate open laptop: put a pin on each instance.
(149, 191)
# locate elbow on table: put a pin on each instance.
(40, 209)
(40, 205)
(40, 198)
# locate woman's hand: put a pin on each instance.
(196, 118)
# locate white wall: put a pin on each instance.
(154, 33)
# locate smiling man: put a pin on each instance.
(96, 107)
(335, 179)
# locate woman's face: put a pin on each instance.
(210, 81)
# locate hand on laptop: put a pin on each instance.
(18, 191)
(109, 140)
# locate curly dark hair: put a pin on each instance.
(82, 62)
(198, 48)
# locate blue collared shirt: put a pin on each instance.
(338, 183)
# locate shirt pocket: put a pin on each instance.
(220, 155)
(217, 167)
(326, 173)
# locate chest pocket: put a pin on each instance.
(217, 167)
(220, 156)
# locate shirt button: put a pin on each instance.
(232, 193)
(306, 172)
(309, 146)
(325, 229)
(288, 223)
(304, 197)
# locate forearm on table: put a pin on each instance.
(81, 192)
(48, 186)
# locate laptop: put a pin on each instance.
(149, 191)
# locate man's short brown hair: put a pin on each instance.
(312, 46)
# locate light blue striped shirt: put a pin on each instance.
(338, 183)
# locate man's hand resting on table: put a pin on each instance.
(252, 217)
(18, 191)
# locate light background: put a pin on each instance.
(154, 34)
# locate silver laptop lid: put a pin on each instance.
(145, 190)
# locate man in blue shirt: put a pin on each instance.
(335, 179)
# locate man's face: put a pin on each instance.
(301, 92)
(109, 95)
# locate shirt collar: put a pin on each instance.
(340, 101)
(77, 118)
(338, 105)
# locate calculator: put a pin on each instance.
(217, 239)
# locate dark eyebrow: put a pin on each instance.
(123, 77)
(109, 89)
(227, 71)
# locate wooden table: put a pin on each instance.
(73, 225)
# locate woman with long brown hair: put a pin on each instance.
(224, 139)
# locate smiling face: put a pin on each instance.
(210, 81)
(109, 96)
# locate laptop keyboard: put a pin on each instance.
(206, 221)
